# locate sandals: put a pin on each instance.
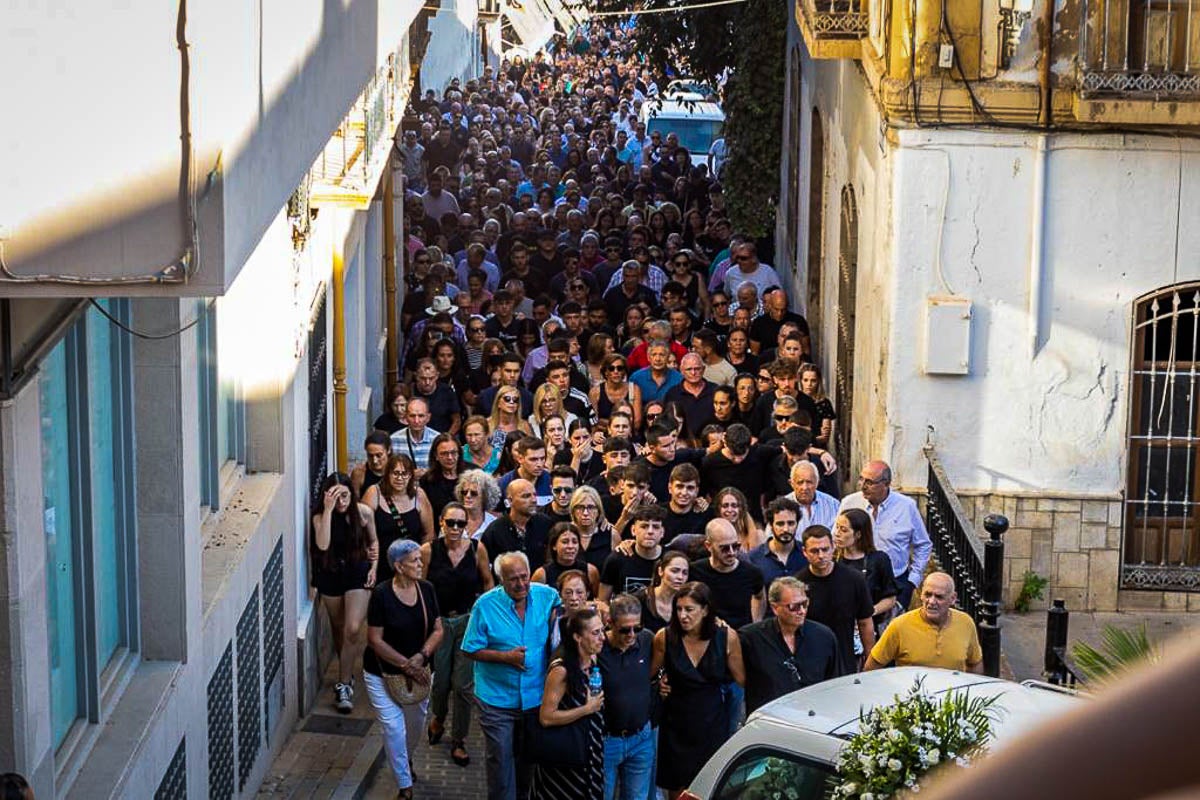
(459, 755)
(435, 731)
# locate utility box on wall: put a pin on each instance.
(947, 335)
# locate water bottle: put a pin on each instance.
(595, 684)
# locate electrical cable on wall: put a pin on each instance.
(153, 337)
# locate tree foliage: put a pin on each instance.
(754, 96)
(750, 39)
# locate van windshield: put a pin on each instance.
(694, 134)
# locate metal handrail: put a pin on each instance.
(976, 566)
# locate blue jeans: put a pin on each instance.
(734, 697)
(502, 739)
(631, 759)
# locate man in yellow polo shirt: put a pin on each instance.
(934, 635)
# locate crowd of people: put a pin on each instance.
(601, 512)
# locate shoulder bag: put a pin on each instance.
(402, 688)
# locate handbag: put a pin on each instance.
(557, 745)
(402, 688)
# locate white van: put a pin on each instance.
(804, 731)
(696, 121)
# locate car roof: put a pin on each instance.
(832, 707)
(675, 108)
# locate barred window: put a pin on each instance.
(1162, 537)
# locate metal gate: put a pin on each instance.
(845, 312)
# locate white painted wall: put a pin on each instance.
(1049, 415)
(92, 172)
(1045, 416)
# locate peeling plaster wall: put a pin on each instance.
(1048, 415)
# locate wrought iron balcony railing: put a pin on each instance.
(1140, 47)
(833, 28)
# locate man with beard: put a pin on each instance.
(778, 555)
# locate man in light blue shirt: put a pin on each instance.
(815, 507)
(657, 379)
(898, 527)
(507, 638)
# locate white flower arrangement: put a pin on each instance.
(897, 745)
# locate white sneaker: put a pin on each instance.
(344, 693)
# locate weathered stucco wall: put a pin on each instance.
(1044, 407)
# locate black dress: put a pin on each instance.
(574, 783)
(390, 525)
(876, 567)
(554, 571)
(336, 570)
(694, 722)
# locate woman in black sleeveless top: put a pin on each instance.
(401, 510)
(458, 568)
(562, 554)
(343, 549)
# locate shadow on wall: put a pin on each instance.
(137, 228)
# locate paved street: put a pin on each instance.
(336, 757)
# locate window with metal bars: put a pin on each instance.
(1162, 528)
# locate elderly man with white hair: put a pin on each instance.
(507, 638)
(816, 507)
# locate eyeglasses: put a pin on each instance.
(588, 508)
(562, 489)
(629, 630)
(863, 481)
(457, 524)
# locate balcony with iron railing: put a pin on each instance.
(1147, 48)
(346, 172)
(833, 28)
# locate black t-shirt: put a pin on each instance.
(876, 568)
(627, 573)
(405, 628)
(503, 537)
(506, 333)
(660, 477)
(749, 476)
(731, 591)
(443, 404)
(839, 600)
(765, 330)
(676, 524)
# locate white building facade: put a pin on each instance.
(197, 271)
(1023, 299)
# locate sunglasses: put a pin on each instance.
(782, 417)
(474, 329)
(796, 607)
(470, 493)
(616, 369)
(590, 509)
(729, 548)
(629, 630)
(508, 399)
(457, 524)
(720, 303)
(562, 489)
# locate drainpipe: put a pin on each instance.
(391, 369)
(1036, 243)
(340, 389)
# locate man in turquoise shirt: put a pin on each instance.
(508, 639)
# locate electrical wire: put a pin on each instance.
(663, 10)
(153, 337)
